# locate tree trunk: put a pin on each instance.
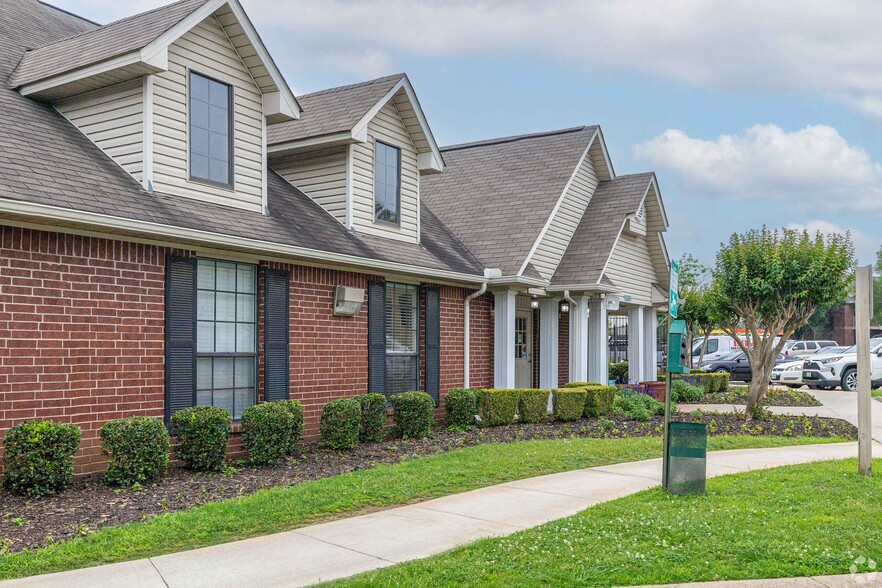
(703, 349)
(759, 384)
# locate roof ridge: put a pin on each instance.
(355, 85)
(69, 13)
(513, 138)
(104, 26)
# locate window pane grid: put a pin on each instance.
(210, 130)
(387, 182)
(402, 338)
(226, 337)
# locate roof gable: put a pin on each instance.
(342, 115)
(496, 196)
(138, 45)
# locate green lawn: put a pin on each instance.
(279, 509)
(814, 519)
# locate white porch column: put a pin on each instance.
(548, 342)
(650, 344)
(636, 338)
(598, 345)
(504, 338)
(579, 339)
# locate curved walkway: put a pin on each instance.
(342, 548)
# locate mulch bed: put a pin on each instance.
(89, 505)
(774, 397)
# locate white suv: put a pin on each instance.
(826, 373)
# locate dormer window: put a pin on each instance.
(387, 183)
(211, 136)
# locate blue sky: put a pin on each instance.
(750, 113)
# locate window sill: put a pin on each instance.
(225, 187)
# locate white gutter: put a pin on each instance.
(467, 339)
(566, 295)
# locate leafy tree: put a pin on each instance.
(877, 290)
(693, 281)
(694, 275)
(771, 282)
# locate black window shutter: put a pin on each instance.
(433, 343)
(276, 335)
(377, 337)
(180, 334)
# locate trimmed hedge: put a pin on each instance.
(202, 433)
(373, 417)
(498, 407)
(582, 385)
(461, 405)
(599, 401)
(138, 449)
(38, 457)
(270, 430)
(532, 405)
(340, 423)
(568, 403)
(413, 414)
(711, 382)
(295, 409)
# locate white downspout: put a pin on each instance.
(467, 339)
(568, 299)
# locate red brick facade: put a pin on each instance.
(82, 335)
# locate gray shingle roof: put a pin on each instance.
(596, 235)
(65, 54)
(510, 185)
(44, 159)
(332, 111)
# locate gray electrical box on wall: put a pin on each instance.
(347, 300)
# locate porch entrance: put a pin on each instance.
(523, 348)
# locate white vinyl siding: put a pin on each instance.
(206, 50)
(113, 119)
(321, 175)
(560, 230)
(630, 267)
(388, 127)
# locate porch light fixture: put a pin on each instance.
(534, 303)
(565, 306)
(347, 301)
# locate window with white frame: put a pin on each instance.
(387, 183)
(402, 338)
(211, 130)
(226, 335)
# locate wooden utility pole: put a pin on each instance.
(863, 312)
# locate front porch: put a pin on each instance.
(544, 342)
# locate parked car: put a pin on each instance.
(806, 348)
(790, 373)
(737, 365)
(828, 372)
(717, 347)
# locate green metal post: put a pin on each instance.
(667, 438)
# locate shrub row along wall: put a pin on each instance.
(82, 335)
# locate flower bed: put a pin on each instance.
(774, 397)
(87, 504)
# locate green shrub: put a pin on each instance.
(461, 405)
(618, 371)
(599, 401)
(340, 423)
(637, 406)
(138, 450)
(568, 403)
(267, 430)
(413, 414)
(202, 433)
(295, 409)
(498, 407)
(721, 381)
(683, 391)
(38, 457)
(532, 405)
(583, 385)
(373, 417)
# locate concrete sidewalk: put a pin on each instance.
(349, 546)
(847, 581)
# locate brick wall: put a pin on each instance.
(81, 332)
(481, 342)
(563, 349)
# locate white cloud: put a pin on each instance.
(808, 168)
(865, 245)
(832, 48)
